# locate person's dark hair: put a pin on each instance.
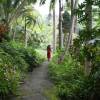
(48, 47)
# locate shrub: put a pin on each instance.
(26, 58)
(14, 62)
(30, 57)
(71, 82)
(16, 55)
(9, 76)
(68, 77)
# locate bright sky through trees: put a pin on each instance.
(44, 9)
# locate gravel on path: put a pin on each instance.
(35, 84)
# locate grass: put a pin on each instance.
(51, 94)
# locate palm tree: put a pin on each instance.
(60, 25)
(73, 20)
(88, 13)
(60, 21)
(11, 9)
(69, 37)
(31, 17)
(54, 34)
(52, 4)
(52, 7)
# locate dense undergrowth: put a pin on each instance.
(70, 80)
(15, 61)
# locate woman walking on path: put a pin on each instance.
(49, 52)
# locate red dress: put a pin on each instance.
(48, 53)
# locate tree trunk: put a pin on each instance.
(88, 13)
(73, 20)
(26, 35)
(69, 37)
(60, 26)
(74, 3)
(54, 35)
(88, 17)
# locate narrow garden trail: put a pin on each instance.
(36, 84)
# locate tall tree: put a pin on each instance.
(52, 7)
(88, 15)
(31, 17)
(69, 37)
(60, 25)
(52, 4)
(54, 30)
(11, 9)
(73, 19)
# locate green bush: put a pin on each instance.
(9, 76)
(16, 55)
(67, 77)
(26, 58)
(15, 60)
(30, 55)
(72, 83)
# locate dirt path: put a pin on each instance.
(36, 84)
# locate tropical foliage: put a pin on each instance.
(15, 60)
(77, 76)
(74, 68)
